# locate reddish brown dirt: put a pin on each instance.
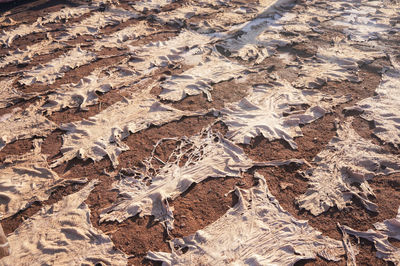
(204, 203)
(18, 147)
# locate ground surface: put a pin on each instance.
(291, 51)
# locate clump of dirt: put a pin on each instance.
(18, 147)
(206, 202)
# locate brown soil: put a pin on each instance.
(18, 147)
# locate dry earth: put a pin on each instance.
(200, 132)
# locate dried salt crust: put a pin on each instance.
(365, 21)
(351, 252)
(4, 245)
(101, 135)
(89, 26)
(9, 95)
(260, 38)
(62, 234)
(25, 179)
(348, 159)
(24, 125)
(199, 79)
(48, 73)
(384, 109)
(385, 230)
(179, 55)
(268, 111)
(208, 155)
(147, 5)
(24, 56)
(181, 14)
(6, 38)
(97, 21)
(335, 63)
(175, 50)
(118, 39)
(81, 94)
(256, 231)
(223, 14)
(239, 14)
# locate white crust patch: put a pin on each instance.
(256, 231)
(62, 234)
(347, 160)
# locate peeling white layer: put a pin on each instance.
(148, 5)
(270, 110)
(256, 231)
(81, 94)
(23, 125)
(347, 160)
(334, 63)
(146, 60)
(195, 159)
(366, 20)
(259, 38)
(9, 95)
(199, 79)
(351, 252)
(384, 109)
(119, 39)
(387, 229)
(90, 26)
(208, 155)
(48, 73)
(102, 134)
(62, 234)
(84, 93)
(4, 245)
(390, 227)
(174, 50)
(181, 14)
(234, 15)
(319, 70)
(24, 56)
(93, 24)
(8, 37)
(25, 179)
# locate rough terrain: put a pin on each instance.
(199, 132)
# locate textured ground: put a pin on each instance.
(200, 132)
